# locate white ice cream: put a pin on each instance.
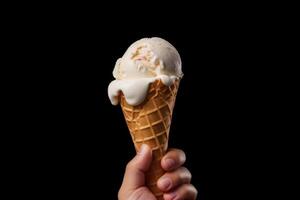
(145, 61)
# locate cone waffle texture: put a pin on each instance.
(149, 123)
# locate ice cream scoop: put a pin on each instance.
(145, 61)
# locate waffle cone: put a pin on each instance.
(149, 123)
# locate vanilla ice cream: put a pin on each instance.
(145, 61)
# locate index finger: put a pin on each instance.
(173, 159)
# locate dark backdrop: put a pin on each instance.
(79, 142)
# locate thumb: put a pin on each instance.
(135, 170)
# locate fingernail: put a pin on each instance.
(143, 149)
(169, 163)
(165, 183)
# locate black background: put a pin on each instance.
(78, 142)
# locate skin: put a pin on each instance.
(175, 183)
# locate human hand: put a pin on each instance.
(175, 183)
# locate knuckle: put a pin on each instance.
(194, 192)
(188, 191)
(176, 154)
(182, 156)
(188, 174)
(129, 165)
(185, 173)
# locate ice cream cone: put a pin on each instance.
(149, 123)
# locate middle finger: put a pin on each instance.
(173, 179)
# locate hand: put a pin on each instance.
(175, 183)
